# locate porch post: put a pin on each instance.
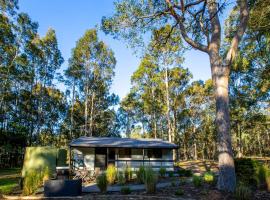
(143, 156)
(107, 157)
(69, 161)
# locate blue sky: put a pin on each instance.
(70, 19)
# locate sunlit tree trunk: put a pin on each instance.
(171, 139)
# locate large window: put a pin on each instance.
(124, 153)
(154, 153)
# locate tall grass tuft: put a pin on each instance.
(111, 174)
(150, 180)
(121, 178)
(140, 174)
(102, 183)
(243, 192)
(197, 181)
(128, 173)
(162, 172)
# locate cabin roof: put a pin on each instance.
(121, 142)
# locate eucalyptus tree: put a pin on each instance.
(91, 69)
(199, 25)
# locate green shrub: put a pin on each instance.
(188, 173)
(243, 192)
(102, 182)
(162, 172)
(128, 173)
(179, 192)
(140, 174)
(171, 173)
(184, 172)
(111, 174)
(209, 177)
(267, 180)
(125, 190)
(173, 184)
(182, 181)
(121, 178)
(246, 171)
(150, 180)
(197, 181)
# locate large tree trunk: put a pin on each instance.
(168, 106)
(226, 179)
(91, 115)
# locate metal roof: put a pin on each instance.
(121, 142)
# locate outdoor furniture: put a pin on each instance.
(86, 176)
(56, 188)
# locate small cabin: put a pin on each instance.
(96, 153)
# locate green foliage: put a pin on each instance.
(125, 190)
(102, 183)
(185, 172)
(128, 173)
(197, 181)
(171, 173)
(173, 184)
(179, 192)
(34, 179)
(7, 185)
(140, 174)
(209, 177)
(121, 178)
(162, 172)
(111, 174)
(267, 180)
(243, 192)
(246, 171)
(150, 180)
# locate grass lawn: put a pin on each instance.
(9, 179)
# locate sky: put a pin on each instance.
(71, 18)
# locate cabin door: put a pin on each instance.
(101, 158)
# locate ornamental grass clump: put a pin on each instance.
(140, 174)
(162, 172)
(150, 180)
(197, 181)
(102, 183)
(243, 192)
(111, 174)
(128, 173)
(121, 178)
(125, 190)
(34, 179)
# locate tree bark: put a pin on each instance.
(226, 179)
(168, 106)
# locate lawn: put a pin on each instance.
(9, 179)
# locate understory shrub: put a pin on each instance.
(209, 177)
(150, 180)
(243, 192)
(246, 171)
(171, 173)
(121, 178)
(128, 173)
(102, 182)
(179, 192)
(162, 171)
(125, 190)
(197, 181)
(111, 174)
(267, 180)
(140, 174)
(185, 172)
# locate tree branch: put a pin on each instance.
(244, 15)
(184, 34)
